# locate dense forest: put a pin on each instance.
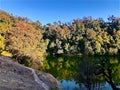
(22, 38)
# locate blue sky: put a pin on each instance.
(64, 10)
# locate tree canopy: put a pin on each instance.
(20, 37)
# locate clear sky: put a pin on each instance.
(48, 11)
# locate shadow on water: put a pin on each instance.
(85, 73)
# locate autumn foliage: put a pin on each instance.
(21, 37)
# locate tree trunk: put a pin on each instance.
(113, 86)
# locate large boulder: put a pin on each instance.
(14, 76)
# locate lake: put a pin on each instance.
(84, 73)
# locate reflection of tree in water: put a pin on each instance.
(63, 68)
(93, 72)
(86, 74)
(110, 70)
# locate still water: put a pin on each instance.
(84, 73)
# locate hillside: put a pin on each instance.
(23, 39)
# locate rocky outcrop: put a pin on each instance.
(14, 76)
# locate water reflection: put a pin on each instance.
(70, 85)
(63, 68)
(93, 72)
(85, 73)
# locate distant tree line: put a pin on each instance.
(85, 36)
(21, 38)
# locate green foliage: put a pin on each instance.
(5, 53)
(22, 37)
(2, 45)
(86, 36)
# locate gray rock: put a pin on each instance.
(14, 76)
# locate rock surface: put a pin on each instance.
(14, 76)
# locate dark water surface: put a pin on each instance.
(85, 73)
